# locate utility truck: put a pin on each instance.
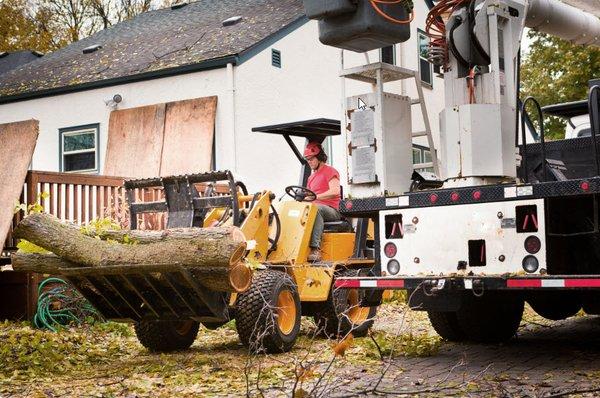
(503, 220)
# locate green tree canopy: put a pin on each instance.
(555, 71)
(47, 25)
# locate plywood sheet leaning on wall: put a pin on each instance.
(189, 135)
(135, 140)
(17, 143)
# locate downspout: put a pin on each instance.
(231, 92)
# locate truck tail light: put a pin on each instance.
(530, 264)
(393, 267)
(533, 244)
(390, 249)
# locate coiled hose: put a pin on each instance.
(59, 304)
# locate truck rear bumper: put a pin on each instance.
(475, 283)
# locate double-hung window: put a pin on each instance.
(425, 67)
(79, 149)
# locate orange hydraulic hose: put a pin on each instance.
(391, 19)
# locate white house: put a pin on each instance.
(266, 67)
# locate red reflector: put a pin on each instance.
(397, 283)
(533, 244)
(347, 283)
(433, 198)
(390, 249)
(454, 196)
(524, 283)
(477, 195)
(585, 186)
(582, 282)
(348, 205)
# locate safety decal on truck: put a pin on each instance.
(372, 283)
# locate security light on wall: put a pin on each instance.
(114, 101)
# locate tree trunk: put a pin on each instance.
(213, 254)
(145, 237)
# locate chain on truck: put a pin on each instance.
(500, 219)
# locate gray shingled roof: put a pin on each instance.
(155, 41)
(13, 60)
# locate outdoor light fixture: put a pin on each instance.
(114, 101)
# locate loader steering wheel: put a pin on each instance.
(300, 194)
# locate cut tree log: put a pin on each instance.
(213, 254)
(145, 237)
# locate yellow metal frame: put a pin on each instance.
(297, 220)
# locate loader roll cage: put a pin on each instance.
(313, 130)
(318, 130)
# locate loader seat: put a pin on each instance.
(338, 226)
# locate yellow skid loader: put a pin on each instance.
(168, 308)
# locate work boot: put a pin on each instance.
(314, 255)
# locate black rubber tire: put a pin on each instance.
(446, 325)
(256, 313)
(166, 336)
(555, 305)
(492, 318)
(330, 318)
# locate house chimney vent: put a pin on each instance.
(179, 4)
(232, 21)
(92, 48)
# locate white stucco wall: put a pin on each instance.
(88, 107)
(306, 86)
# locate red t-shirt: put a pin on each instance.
(318, 182)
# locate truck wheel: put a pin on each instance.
(342, 313)
(268, 314)
(555, 305)
(446, 325)
(166, 336)
(492, 318)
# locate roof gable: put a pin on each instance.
(162, 40)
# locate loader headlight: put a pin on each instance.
(530, 264)
(393, 267)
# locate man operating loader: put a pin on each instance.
(325, 183)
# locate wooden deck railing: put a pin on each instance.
(81, 198)
(78, 198)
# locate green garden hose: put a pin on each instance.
(59, 304)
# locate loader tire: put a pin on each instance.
(166, 336)
(267, 315)
(446, 325)
(341, 313)
(492, 318)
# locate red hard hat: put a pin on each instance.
(312, 149)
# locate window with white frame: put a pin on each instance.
(425, 67)
(421, 155)
(328, 149)
(79, 149)
(388, 55)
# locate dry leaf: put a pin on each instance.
(305, 373)
(340, 348)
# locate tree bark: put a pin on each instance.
(145, 237)
(213, 254)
